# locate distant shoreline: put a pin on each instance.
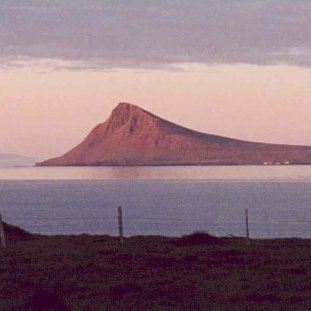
(169, 164)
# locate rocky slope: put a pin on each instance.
(133, 136)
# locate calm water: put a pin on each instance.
(159, 200)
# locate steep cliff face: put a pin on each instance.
(133, 136)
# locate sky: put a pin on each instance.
(237, 68)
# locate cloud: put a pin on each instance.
(156, 33)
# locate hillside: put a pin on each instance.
(133, 136)
(195, 272)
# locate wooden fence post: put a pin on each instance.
(120, 222)
(2, 236)
(247, 229)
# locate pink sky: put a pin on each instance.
(46, 112)
(245, 68)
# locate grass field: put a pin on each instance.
(196, 272)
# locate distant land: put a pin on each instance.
(12, 160)
(132, 136)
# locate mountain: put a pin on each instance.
(133, 136)
(11, 160)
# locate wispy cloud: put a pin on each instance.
(156, 33)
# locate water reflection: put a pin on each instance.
(218, 173)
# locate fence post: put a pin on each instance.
(2, 236)
(247, 229)
(120, 222)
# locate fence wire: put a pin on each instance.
(259, 228)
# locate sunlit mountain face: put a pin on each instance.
(134, 136)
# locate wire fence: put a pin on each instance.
(165, 226)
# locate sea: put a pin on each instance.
(166, 201)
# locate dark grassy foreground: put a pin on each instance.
(196, 272)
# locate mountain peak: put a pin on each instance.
(129, 117)
(134, 136)
(125, 105)
(124, 108)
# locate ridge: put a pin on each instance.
(134, 136)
